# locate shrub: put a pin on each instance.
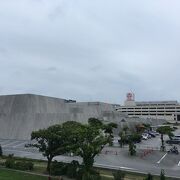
(58, 168)
(72, 169)
(149, 177)
(162, 175)
(1, 152)
(132, 149)
(9, 163)
(20, 165)
(119, 175)
(23, 165)
(88, 175)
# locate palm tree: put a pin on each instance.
(164, 130)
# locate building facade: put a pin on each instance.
(168, 110)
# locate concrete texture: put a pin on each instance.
(22, 114)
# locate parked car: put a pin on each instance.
(173, 141)
(155, 132)
(175, 128)
(116, 140)
(145, 136)
(152, 134)
(176, 136)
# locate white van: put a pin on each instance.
(177, 137)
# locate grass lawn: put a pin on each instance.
(13, 175)
(107, 175)
(40, 168)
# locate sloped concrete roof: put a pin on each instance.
(23, 113)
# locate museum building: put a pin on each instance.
(168, 110)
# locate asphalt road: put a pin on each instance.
(148, 160)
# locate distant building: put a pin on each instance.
(21, 114)
(168, 110)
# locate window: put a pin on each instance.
(170, 107)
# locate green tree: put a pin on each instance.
(51, 142)
(108, 129)
(123, 138)
(72, 130)
(132, 147)
(162, 175)
(119, 175)
(147, 126)
(88, 142)
(135, 137)
(125, 129)
(164, 130)
(95, 122)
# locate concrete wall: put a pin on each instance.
(22, 114)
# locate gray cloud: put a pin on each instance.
(90, 50)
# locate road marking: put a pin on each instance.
(14, 142)
(162, 158)
(114, 167)
(127, 168)
(24, 152)
(19, 144)
(5, 142)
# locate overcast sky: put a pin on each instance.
(91, 50)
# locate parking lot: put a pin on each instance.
(148, 158)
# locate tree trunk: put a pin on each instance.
(162, 141)
(49, 163)
(88, 163)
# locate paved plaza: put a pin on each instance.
(148, 159)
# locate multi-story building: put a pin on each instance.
(168, 110)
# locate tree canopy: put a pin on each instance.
(89, 140)
(95, 122)
(51, 142)
(84, 140)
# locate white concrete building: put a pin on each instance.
(168, 110)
